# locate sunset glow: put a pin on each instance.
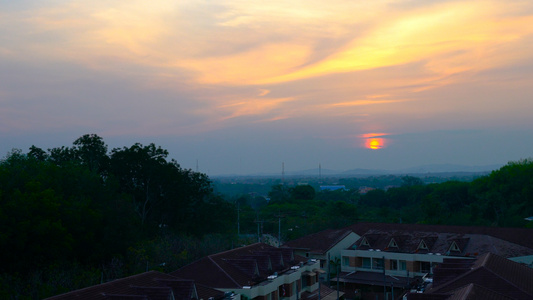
(374, 141)
(302, 76)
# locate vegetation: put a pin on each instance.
(503, 198)
(76, 216)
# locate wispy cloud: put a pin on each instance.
(366, 102)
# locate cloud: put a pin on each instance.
(365, 102)
(166, 67)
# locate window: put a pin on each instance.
(392, 244)
(422, 245)
(425, 266)
(454, 247)
(378, 263)
(393, 264)
(403, 265)
(345, 261)
(367, 263)
(364, 242)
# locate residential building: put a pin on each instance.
(259, 272)
(148, 285)
(390, 258)
(324, 246)
(488, 277)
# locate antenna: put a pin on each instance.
(283, 173)
(197, 166)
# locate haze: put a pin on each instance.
(243, 86)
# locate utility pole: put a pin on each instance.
(238, 219)
(259, 227)
(279, 216)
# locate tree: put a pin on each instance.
(302, 192)
(37, 153)
(278, 193)
(411, 181)
(139, 170)
(91, 151)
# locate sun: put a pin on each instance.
(374, 144)
(374, 141)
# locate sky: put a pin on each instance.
(244, 87)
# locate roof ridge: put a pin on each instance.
(455, 279)
(507, 280)
(223, 271)
(345, 234)
(112, 282)
(235, 249)
(485, 260)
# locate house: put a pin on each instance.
(148, 285)
(258, 271)
(390, 258)
(518, 236)
(324, 246)
(488, 277)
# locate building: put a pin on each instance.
(324, 246)
(391, 258)
(149, 285)
(259, 272)
(488, 277)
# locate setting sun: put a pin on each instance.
(374, 140)
(374, 143)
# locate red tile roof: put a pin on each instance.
(519, 236)
(490, 271)
(237, 267)
(319, 242)
(468, 292)
(131, 287)
(150, 285)
(470, 245)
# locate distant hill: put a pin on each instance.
(434, 169)
(424, 169)
(450, 168)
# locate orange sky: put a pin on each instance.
(301, 74)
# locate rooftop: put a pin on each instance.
(517, 236)
(489, 271)
(438, 243)
(148, 285)
(245, 266)
(319, 242)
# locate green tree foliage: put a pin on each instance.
(503, 198)
(83, 208)
(302, 192)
